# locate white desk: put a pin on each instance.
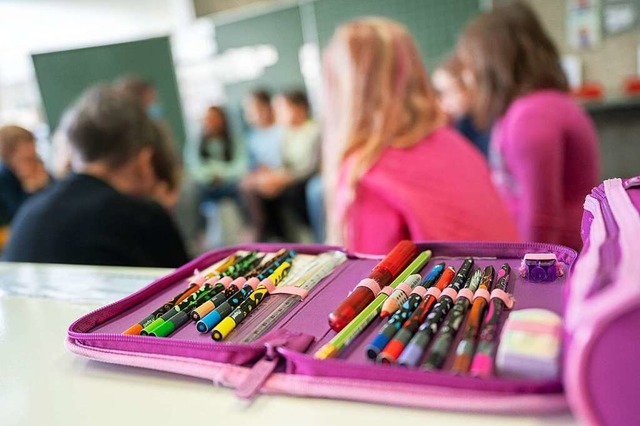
(43, 384)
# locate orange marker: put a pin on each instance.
(137, 328)
(196, 281)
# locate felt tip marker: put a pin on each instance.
(381, 276)
(241, 265)
(219, 313)
(438, 353)
(435, 278)
(216, 271)
(168, 327)
(341, 340)
(229, 287)
(391, 305)
(467, 346)
(137, 328)
(279, 257)
(483, 360)
(397, 345)
(400, 295)
(413, 352)
(228, 324)
(206, 292)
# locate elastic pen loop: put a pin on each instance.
(433, 291)
(386, 290)
(450, 292)
(466, 293)
(482, 293)
(506, 298)
(371, 284)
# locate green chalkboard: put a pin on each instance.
(279, 28)
(435, 24)
(62, 76)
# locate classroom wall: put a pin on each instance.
(608, 63)
(288, 27)
(61, 25)
(281, 29)
(63, 76)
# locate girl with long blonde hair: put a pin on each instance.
(392, 168)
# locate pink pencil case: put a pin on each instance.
(602, 316)
(282, 360)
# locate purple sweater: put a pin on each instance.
(544, 156)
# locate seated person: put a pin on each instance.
(264, 138)
(143, 92)
(21, 172)
(213, 162)
(455, 100)
(168, 170)
(393, 170)
(278, 189)
(102, 214)
(215, 167)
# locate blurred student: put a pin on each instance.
(143, 92)
(314, 193)
(103, 212)
(215, 169)
(212, 161)
(456, 99)
(544, 151)
(264, 138)
(393, 169)
(22, 172)
(167, 168)
(281, 190)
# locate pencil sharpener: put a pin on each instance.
(540, 267)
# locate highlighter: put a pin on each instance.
(381, 276)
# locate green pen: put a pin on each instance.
(203, 294)
(168, 327)
(341, 340)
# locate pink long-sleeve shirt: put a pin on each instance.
(438, 189)
(545, 160)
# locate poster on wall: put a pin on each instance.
(584, 26)
(620, 16)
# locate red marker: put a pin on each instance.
(381, 276)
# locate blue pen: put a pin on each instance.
(398, 318)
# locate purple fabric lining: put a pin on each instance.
(101, 328)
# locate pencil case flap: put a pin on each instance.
(603, 309)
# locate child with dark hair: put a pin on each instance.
(271, 192)
(456, 99)
(21, 171)
(213, 162)
(264, 137)
(544, 148)
(103, 213)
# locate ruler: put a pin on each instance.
(278, 307)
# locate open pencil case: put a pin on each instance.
(282, 360)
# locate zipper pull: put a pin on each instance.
(266, 365)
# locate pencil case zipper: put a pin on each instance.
(298, 363)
